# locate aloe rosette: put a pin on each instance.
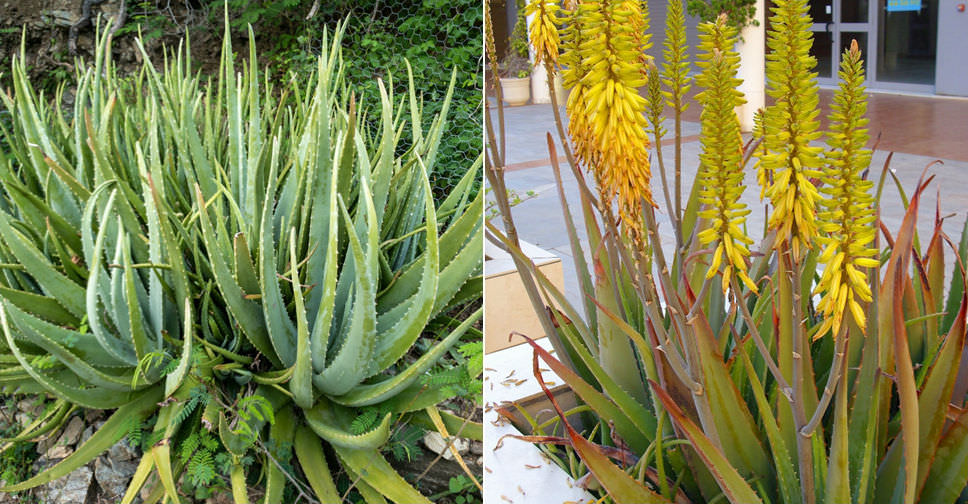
(168, 235)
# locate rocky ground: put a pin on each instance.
(56, 32)
(106, 479)
(102, 481)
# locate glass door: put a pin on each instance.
(907, 41)
(835, 24)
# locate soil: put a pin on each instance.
(46, 25)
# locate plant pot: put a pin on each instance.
(516, 91)
(539, 87)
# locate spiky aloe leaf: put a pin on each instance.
(282, 334)
(949, 473)
(309, 452)
(732, 484)
(53, 283)
(174, 379)
(244, 310)
(350, 364)
(398, 334)
(331, 423)
(84, 345)
(372, 393)
(374, 469)
(56, 382)
(281, 435)
(85, 372)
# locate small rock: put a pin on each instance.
(32, 406)
(58, 452)
(89, 431)
(70, 489)
(64, 445)
(72, 433)
(113, 476)
(121, 451)
(28, 410)
(59, 18)
(436, 443)
(91, 415)
(45, 444)
(477, 448)
(23, 419)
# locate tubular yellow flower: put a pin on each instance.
(544, 30)
(721, 160)
(675, 51)
(764, 176)
(612, 106)
(847, 221)
(790, 125)
(574, 70)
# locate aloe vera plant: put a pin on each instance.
(818, 363)
(223, 256)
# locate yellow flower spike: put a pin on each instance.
(789, 125)
(721, 160)
(544, 30)
(848, 214)
(606, 113)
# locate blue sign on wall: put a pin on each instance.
(903, 5)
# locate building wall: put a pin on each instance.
(657, 21)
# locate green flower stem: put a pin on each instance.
(804, 448)
(836, 368)
(785, 388)
(656, 106)
(562, 135)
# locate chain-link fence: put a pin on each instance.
(436, 37)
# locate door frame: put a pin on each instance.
(875, 9)
(836, 27)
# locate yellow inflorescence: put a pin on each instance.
(764, 176)
(573, 73)
(790, 125)
(544, 30)
(721, 160)
(846, 224)
(608, 112)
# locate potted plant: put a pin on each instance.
(515, 68)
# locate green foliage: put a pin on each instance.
(460, 376)
(245, 276)
(404, 443)
(198, 452)
(366, 420)
(381, 37)
(739, 12)
(16, 462)
(460, 490)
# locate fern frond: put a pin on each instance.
(365, 420)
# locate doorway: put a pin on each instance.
(835, 24)
(898, 40)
